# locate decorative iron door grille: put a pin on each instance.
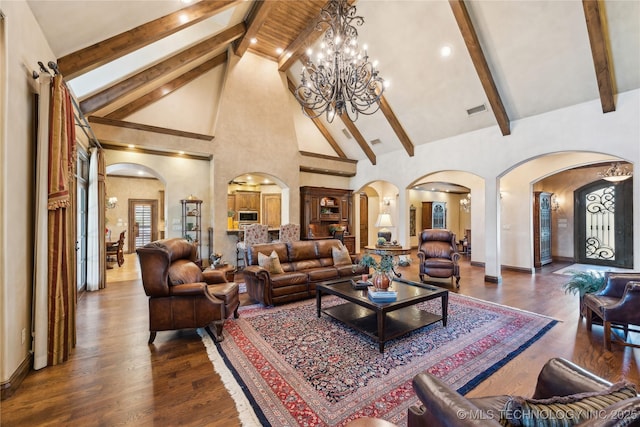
(600, 232)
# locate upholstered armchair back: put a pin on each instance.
(158, 257)
(436, 243)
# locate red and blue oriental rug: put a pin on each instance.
(284, 366)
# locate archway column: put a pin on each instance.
(492, 230)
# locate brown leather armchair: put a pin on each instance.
(438, 255)
(441, 406)
(180, 294)
(617, 305)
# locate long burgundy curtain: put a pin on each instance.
(61, 226)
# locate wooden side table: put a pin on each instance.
(229, 271)
(388, 251)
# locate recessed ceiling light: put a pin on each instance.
(183, 18)
(279, 50)
(131, 146)
(181, 152)
(253, 40)
(140, 173)
(445, 51)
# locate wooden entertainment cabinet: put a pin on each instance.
(322, 207)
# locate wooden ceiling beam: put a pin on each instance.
(600, 51)
(480, 63)
(167, 88)
(321, 127)
(149, 128)
(107, 96)
(396, 126)
(254, 22)
(351, 127)
(91, 57)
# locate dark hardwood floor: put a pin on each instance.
(114, 377)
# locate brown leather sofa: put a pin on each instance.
(180, 294)
(304, 263)
(442, 406)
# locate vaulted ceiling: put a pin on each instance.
(509, 59)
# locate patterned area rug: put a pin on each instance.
(284, 366)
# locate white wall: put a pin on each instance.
(489, 155)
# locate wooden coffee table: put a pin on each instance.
(383, 322)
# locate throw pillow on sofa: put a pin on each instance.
(340, 255)
(563, 410)
(270, 263)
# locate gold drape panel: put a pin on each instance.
(102, 199)
(61, 225)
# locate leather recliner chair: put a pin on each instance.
(441, 406)
(438, 255)
(180, 294)
(617, 305)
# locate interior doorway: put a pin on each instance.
(364, 220)
(603, 218)
(143, 222)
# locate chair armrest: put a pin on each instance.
(625, 310)
(455, 257)
(421, 256)
(213, 277)
(442, 406)
(188, 289)
(560, 377)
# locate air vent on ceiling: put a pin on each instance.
(476, 110)
(346, 133)
(376, 141)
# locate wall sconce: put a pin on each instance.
(555, 205)
(386, 201)
(112, 202)
(465, 203)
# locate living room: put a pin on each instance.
(257, 123)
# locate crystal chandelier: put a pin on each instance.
(342, 80)
(616, 173)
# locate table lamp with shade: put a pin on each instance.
(384, 220)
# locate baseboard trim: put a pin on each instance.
(493, 279)
(10, 386)
(518, 269)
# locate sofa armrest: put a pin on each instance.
(442, 406)
(213, 277)
(615, 283)
(258, 282)
(560, 377)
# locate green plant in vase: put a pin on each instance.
(584, 282)
(383, 269)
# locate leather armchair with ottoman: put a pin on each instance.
(294, 268)
(617, 304)
(564, 392)
(180, 294)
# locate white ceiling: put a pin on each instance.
(538, 52)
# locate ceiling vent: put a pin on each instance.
(346, 133)
(475, 110)
(376, 141)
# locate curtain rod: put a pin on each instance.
(80, 119)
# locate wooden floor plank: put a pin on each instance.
(114, 377)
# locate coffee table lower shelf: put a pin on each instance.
(394, 323)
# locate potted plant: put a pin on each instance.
(383, 269)
(584, 282)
